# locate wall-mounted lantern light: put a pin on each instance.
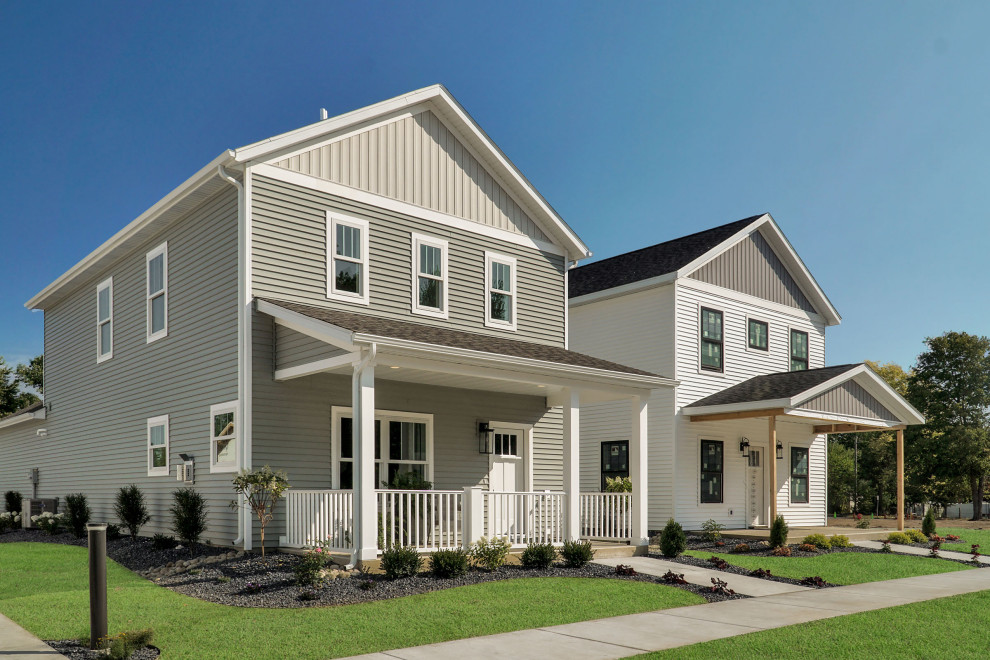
(780, 451)
(486, 436)
(744, 447)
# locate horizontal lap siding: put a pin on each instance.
(294, 348)
(289, 263)
(98, 419)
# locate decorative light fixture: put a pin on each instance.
(486, 436)
(744, 447)
(780, 450)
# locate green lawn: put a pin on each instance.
(44, 588)
(951, 627)
(842, 567)
(970, 536)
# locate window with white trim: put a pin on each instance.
(223, 437)
(157, 292)
(799, 350)
(347, 258)
(429, 278)
(104, 320)
(500, 291)
(403, 447)
(158, 454)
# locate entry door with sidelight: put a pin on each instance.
(507, 475)
(757, 497)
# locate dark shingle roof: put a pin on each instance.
(648, 262)
(374, 325)
(768, 387)
(37, 405)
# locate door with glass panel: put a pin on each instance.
(507, 475)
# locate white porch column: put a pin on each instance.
(572, 463)
(639, 471)
(365, 501)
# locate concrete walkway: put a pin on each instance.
(923, 552)
(741, 584)
(623, 636)
(18, 644)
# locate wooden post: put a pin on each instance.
(773, 468)
(900, 480)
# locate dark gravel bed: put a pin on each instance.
(73, 650)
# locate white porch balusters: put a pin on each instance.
(572, 460)
(365, 503)
(638, 472)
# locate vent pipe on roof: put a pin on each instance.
(323, 114)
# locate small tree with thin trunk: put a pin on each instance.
(262, 489)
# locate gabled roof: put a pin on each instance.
(667, 261)
(768, 387)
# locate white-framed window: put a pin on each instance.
(799, 350)
(429, 276)
(347, 258)
(104, 320)
(403, 447)
(500, 291)
(157, 292)
(158, 453)
(223, 437)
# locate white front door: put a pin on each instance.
(507, 475)
(754, 477)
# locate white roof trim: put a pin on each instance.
(23, 417)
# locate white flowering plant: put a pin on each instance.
(9, 520)
(48, 522)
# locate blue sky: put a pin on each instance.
(862, 127)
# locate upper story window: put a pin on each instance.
(429, 276)
(500, 291)
(104, 320)
(799, 350)
(799, 475)
(711, 339)
(223, 437)
(157, 262)
(757, 335)
(158, 446)
(347, 258)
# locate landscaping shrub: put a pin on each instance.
(577, 553)
(781, 551)
(9, 520)
(975, 549)
(670, 577)
(539, 555)
(448, 564)
(885, 546)
(401, 561)
(48, 522)
(188, 515)
(817, 540)
(618, 485)
(309, 571)
(808, 547)
(718, 563)
(673, 541)
(928, 524)
(712, 530)
(814, 581)
(163, 542)
(839, 541)
(130, 509)
(916, 536)
(721, 587)
(490, 554)
(122, 645)
(741, 547)
(863, 524)
(113, 532)
(778, 532)
(899, 537)
(13, 500)
(624, 570)
(77, 514)
(761, 573)
(951, 538)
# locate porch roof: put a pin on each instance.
(35, 410)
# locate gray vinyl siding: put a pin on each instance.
(419, 161)
(289, 263)
(751, 266)
(850, 399)
(98, 417)
(294, 348)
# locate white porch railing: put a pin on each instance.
(319, 515)
(525, 518)
(606, 516)
(423, 519)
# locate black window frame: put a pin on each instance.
(801, 477)
(720, 472)
(703, 340)
(606, 445)
(766, 335)
(807, 350)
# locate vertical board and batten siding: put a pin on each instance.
(638, 330)
(97, 423)
(752, 267)
(419, 161)
(294, 348)
(850, 399)
(289, 263)
(292, 425)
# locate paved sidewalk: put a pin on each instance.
(623, 636)
(923, 552)
(741, 584)
(18, 644)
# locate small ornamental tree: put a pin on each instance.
(928, 524)
(778, 532)
(262, 489)
(673, 541)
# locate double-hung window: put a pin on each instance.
(429, 278)
(711, 471)
(347, 258)
(500, 291)
(403, 448)
(799, 475)
(757, 335)
(223, 437)
(799, 350)
(157, 292)
(104, 320)
(711, 339)
(158, 446)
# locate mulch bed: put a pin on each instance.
(738, 570)
(73, 650)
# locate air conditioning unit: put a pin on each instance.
(34, 507)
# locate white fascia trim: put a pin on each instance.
(769, 404)
(829, 418)
(135, 226)
(874, 385)
(389, 204)
(331, 334)
(731, 294)
(431, 241)
(632, 287)
(23, 417)
(317, 366)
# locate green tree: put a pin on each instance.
(32, 374)
(840, 476)
(12, 398)
(951, 387)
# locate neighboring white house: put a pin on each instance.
(735, 317)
